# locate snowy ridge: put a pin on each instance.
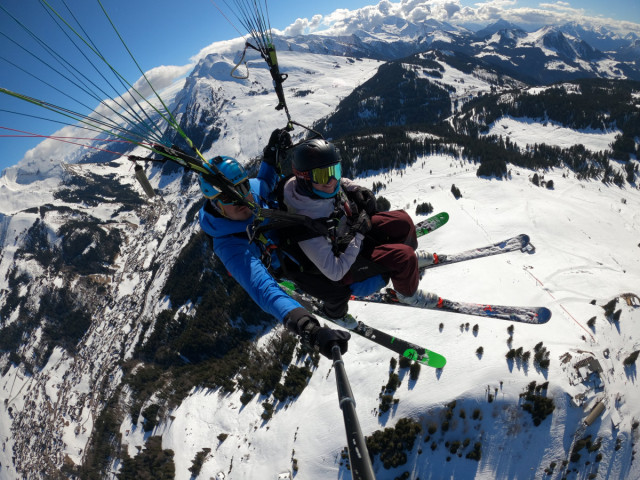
(236, 105)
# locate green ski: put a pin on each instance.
(395, 344)
(432, 223)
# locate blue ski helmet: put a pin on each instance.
(230, 169)
(316, 161)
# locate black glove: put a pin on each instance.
(302, 323)
(327, 337)
(365, 200)
(362, 224)
(279, 142)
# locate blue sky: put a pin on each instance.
(165, 32)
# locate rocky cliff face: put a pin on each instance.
(83, 286)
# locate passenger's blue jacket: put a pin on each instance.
(242, 259)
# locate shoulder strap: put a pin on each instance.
(280, 218)
(279, 191)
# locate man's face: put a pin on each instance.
(237, 212)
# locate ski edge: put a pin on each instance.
(395, 344)
(530, 315)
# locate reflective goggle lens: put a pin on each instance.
(243, 189)
(325, 174)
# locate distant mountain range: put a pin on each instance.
(547, 55)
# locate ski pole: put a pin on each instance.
(361, 468)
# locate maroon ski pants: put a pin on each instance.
(390, 246)
(387, 250)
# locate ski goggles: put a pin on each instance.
(243, 188)
(324, 175)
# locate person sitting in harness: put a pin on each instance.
(226, 220)
(362, 248)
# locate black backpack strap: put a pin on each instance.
(279, 218)
(279, 190)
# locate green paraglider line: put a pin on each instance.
(252, 15)
(78, 83)
(69, 114)
(62, 139)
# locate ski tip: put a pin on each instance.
(428, 357)
(544, 315)
(436, 360)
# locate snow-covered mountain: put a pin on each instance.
(599, 37)
(546, 55)
(125, 348)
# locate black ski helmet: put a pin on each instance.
(316, 160)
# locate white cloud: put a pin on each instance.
(142, 92)
(385, 7)
(451, 8)
(304, 25)
(46, 157)
(161, 77)
(497, 3)
(343, 21)
(39, 159)
(222, 48)
(562, 7)
(419, 14)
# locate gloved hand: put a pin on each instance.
(302, 323)
(279, 142)
(365, 200)
(362, 224)
(327, 337)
